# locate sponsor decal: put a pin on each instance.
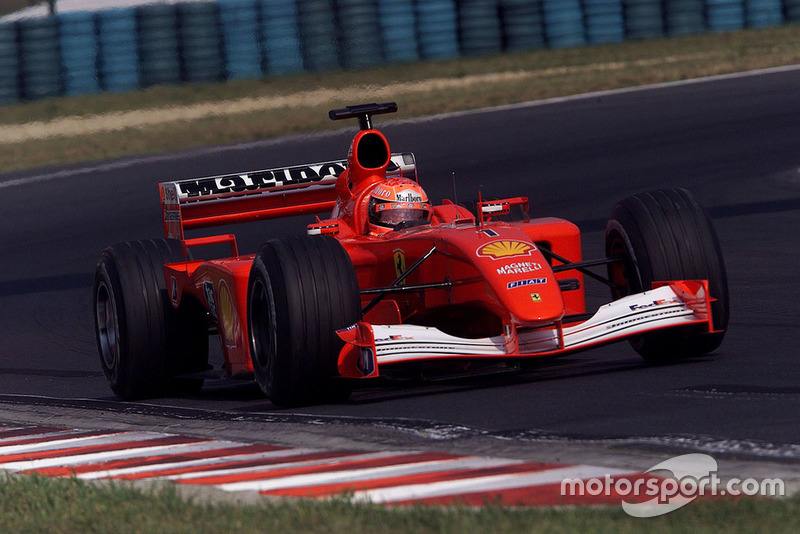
(172, 216)
(401, 206)
(323, 229)
(399, 264)
(366, 363)
(536, 297)
(171, 210)
(227, 314)
(528, 282)
(520, 267)
(406, 195)
(170, 194)
(660, 302)
(647, 317)
(506, 248)
(495, 208)
(394, 338)
(276, 178)
(211, 301)
(174, 290)
(382, 192)
(254, 181)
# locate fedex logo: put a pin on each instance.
(655, 303)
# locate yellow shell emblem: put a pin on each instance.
(505, 249)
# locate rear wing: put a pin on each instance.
(258, 195)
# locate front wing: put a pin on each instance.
(673, 304)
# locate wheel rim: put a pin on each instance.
(262, 324)
(107, 326)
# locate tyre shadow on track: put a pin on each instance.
(385, 390)
(537, 372)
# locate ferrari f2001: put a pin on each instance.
(389, 283)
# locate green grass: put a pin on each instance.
(533, 75)
(37, 504)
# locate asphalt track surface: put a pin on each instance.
(734, 142)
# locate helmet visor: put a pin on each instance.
(390, 214)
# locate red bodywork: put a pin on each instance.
(481, 278)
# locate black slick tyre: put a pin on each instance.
(143, 341)
(301, 290)
(666, 235)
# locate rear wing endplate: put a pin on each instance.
(257, 195)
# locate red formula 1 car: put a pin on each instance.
(391, 284)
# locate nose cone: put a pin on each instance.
(522, 279)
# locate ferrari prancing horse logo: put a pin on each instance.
(399, 264)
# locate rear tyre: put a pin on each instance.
(301, 290)
(666, 235)
(143, 341)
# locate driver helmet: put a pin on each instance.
(395, 202)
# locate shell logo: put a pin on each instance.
(505, 249)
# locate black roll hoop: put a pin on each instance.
(363, 112)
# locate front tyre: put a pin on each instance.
(660, 236)
(143, 341)
(301, 290)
